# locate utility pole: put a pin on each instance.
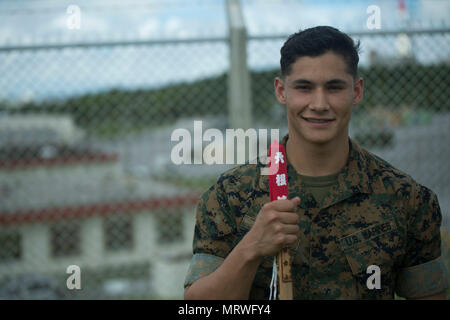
(239, 90)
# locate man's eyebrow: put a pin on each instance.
(336, 81)
(301, 81)
(329, 82)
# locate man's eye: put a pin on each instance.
(303, 88)
(335, 88)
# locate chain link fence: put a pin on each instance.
(86, 176)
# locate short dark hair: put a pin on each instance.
(316, 41)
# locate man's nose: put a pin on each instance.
(319, 101)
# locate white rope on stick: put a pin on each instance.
(273, 282)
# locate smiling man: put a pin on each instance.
(347, 211)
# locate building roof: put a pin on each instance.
(20, 157)
(96, 209)
(38, 184)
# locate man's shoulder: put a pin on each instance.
(235, 193)
(238, 184)
(379, 166)
(243, 176)
(386, 177)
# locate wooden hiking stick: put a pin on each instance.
(284, 275)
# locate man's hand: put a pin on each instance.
(275, 228)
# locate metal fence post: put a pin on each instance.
(239, 93)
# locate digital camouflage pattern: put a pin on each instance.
(376, 215)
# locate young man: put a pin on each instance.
(347, 209)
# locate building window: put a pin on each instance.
(118, 233)
(169, 226)
(10, 246)
(65, 239)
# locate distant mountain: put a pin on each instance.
(118, 111)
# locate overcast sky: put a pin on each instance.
(46, 20)
(27, 22)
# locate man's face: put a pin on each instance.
(319, 94)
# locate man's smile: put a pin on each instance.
(316, 121)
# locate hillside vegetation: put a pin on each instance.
(118, 111)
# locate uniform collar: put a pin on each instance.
(352, 179)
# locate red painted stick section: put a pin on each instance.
(278, 185)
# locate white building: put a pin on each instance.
(78, 207)
(32, 129)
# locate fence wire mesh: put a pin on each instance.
(86, 176)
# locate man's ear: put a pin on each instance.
(358, 91)
(280, 91)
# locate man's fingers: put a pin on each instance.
(284, 205)
(288, 217)
(291, 229)
(288, 240)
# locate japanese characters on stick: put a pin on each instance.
(278, 185)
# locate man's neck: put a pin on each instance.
(317, 160)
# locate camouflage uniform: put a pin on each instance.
(376, 215)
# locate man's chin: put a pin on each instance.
(319, 141)
(315, 138)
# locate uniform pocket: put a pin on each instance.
(380, 245)
(383, 251)
(363, 256)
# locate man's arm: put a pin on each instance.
(275, 227)
(424, 275)
(232, 280)
(439, 296)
